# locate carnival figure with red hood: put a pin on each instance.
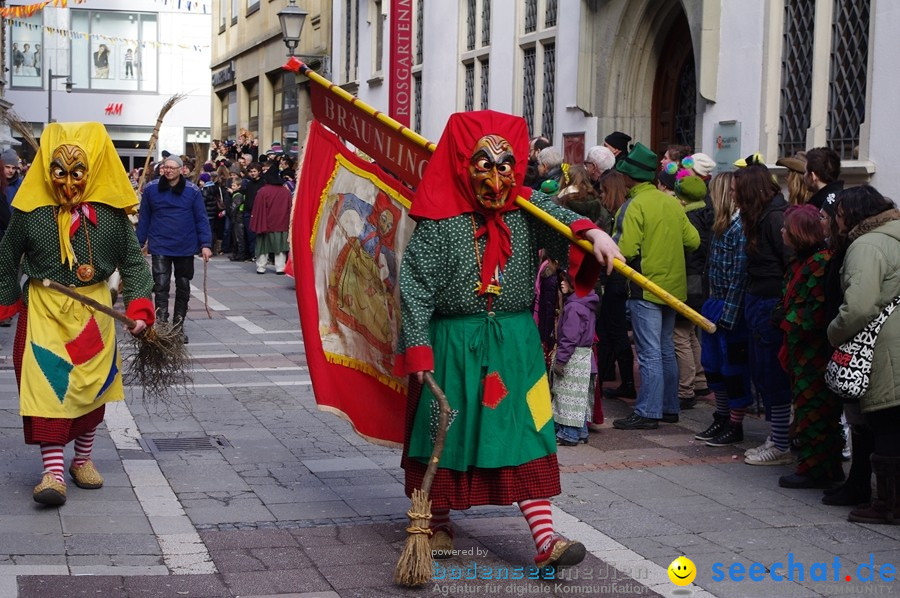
(467, 289)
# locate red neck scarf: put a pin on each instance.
(445, 191)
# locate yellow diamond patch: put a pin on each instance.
(538, 399)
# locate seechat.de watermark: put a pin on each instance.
(791, 569)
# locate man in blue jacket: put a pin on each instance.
(173, 220)
(12, 173)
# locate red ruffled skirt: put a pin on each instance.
(460, 490)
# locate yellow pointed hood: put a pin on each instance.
(107, 181)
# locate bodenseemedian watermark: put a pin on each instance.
(481, 579)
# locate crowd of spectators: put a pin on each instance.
(229, 179)
(770, 268)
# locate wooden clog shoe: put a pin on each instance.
(50, 491)
(86, 475)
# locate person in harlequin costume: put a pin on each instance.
(70, 225)
(467, 290)
(806, 351)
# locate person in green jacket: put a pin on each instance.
(870, 282)
(652, 232)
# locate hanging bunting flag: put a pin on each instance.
(97, 36)
(27, 10)
(189, 5)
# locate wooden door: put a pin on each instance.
(675, 90)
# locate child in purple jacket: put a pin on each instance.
(574, 368)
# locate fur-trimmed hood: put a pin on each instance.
(873, 222)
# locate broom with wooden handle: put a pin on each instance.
(154, 136)
(415, 567)
(160, 362)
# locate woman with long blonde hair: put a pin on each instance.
(723, 353)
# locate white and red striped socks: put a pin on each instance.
(84, 444)
(540, 519)
(52, 456)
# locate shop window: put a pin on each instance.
(285, 109)
(253, 105)
(228, 101)
(120, 52)
(25, 57)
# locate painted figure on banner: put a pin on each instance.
(358, 253)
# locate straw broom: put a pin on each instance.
(415, 567)
(155, 135)
(22, 128)
(160, 361)
(199, 161)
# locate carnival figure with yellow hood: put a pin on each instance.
(467, 289)
(70, 225)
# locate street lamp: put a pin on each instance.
(50, 77)
(291, 18)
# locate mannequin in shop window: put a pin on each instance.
(37, 59)
(101, 62)
(129, 63)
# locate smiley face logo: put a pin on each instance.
(682, 571)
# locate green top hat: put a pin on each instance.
(640, 164)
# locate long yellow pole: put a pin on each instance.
(620, 266)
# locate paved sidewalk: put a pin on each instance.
(249, 490)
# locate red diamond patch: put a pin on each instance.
(494, 390)
(86, 345)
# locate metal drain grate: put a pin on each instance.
(168, 445)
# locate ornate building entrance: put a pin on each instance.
(675, 90)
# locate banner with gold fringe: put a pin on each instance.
(348, 233)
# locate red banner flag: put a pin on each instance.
(349, 231)
(384, 143)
